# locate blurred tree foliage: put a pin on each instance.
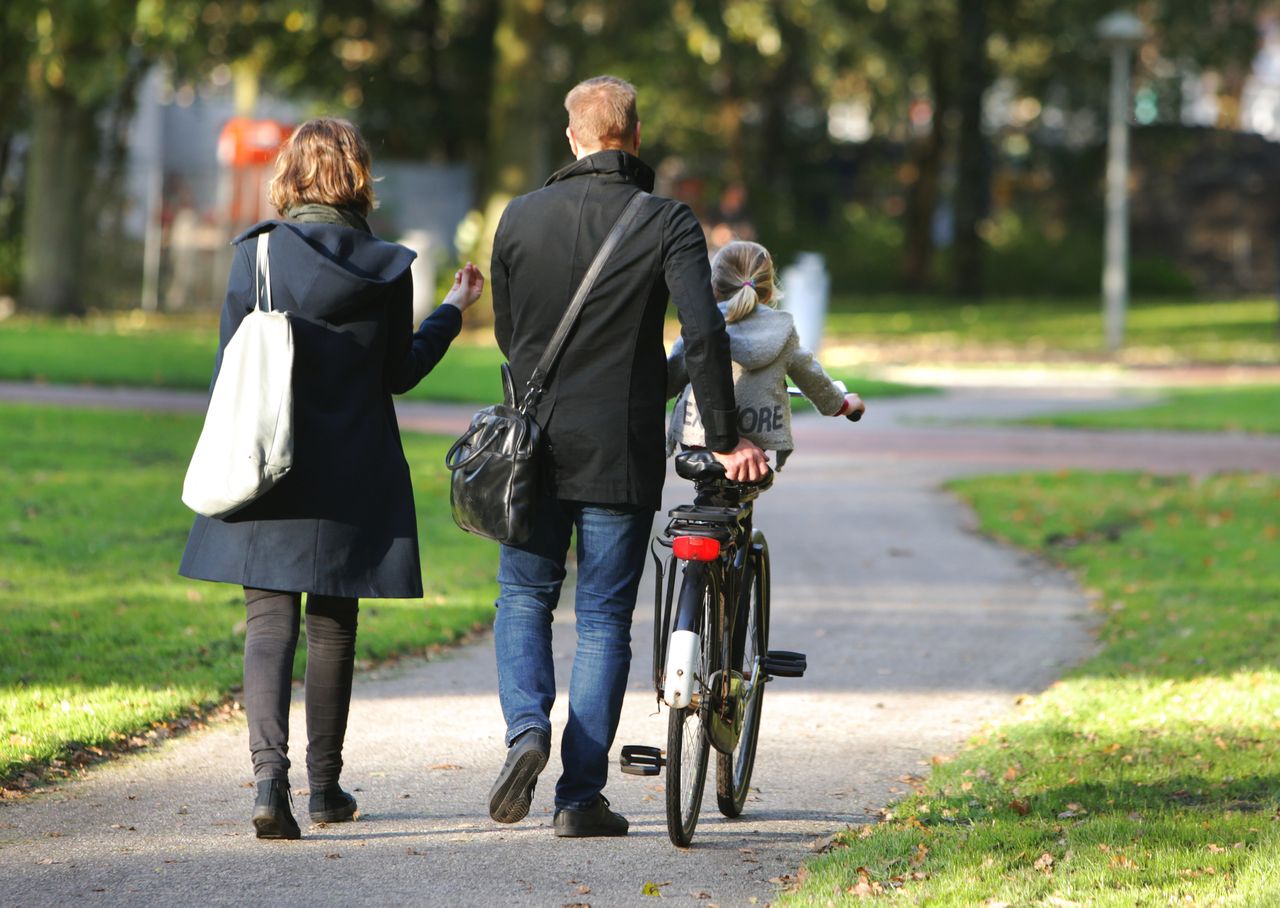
(736, 95)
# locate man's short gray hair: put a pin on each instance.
(602, 111)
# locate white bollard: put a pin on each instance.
(806, 287)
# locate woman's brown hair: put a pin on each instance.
(324, 162)
(742, 276)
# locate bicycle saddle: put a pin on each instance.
(701, 466)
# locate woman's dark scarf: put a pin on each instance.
(328, 214)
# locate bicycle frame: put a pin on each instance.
(680, 626)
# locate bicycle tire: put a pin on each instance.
(687, 742)
(733, 771)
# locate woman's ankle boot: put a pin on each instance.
(272, 813)
(331, 804)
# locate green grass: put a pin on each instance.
(1244, 409)
(1148, 776)
(177, 352)
(102, 638)
(1158, 331)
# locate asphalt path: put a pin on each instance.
(918, 631)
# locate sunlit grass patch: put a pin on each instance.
(1158, 332)
(1244, 409)
(1150, 775)
(102, 638)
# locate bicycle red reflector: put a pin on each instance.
(696, 548)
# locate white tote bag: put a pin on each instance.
(246, 445)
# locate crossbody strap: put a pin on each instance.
(264, 273)
(538, 379)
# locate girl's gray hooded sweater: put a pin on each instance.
(765, 350)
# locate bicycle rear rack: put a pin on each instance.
(783, 663)
(642, 760)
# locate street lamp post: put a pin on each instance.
(1122, 32)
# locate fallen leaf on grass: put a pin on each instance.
(922, 850)
(865, 887)
(1044, 863)
(1020, 806)
(822, 844)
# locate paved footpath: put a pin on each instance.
(918, 631)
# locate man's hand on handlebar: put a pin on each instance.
(745, 463)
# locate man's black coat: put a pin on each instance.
(604, 410)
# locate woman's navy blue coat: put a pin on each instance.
(341, 523)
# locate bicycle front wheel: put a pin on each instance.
(750, 643)
(687, 741)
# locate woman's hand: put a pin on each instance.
(467, 284)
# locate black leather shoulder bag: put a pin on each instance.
(496, 464)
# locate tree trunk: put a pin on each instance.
(922, 197)
(972, 192)
(59, 165)
(516, 160)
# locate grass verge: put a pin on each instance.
(102, 638)
(1245, 409)
(1149, 775)
(177, 352)
(1158, 332)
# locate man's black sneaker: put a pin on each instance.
(596, 820)
(332, 805)
(272, 816)
(512, 793)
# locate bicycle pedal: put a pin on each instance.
(642, 760)
(783, 663)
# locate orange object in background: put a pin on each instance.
(244, 142)
(246, 150)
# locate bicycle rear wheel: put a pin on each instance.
(750, 643)
(687, 742)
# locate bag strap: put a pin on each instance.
(537, 380)
(264, 273)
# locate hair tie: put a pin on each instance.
(749, 283)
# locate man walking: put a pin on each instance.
(602, 414)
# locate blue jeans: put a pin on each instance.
(612, 542)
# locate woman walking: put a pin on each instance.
(340, 526)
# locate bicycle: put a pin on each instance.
(711, 659)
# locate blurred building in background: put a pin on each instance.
(197, 175)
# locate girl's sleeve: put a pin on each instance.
(812, 380)
(412, 354)
(677, 370)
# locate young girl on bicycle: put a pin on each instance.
(765, 350)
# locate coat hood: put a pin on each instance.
(328, 267)
(759, 339)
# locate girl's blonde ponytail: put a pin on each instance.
(742, 277)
